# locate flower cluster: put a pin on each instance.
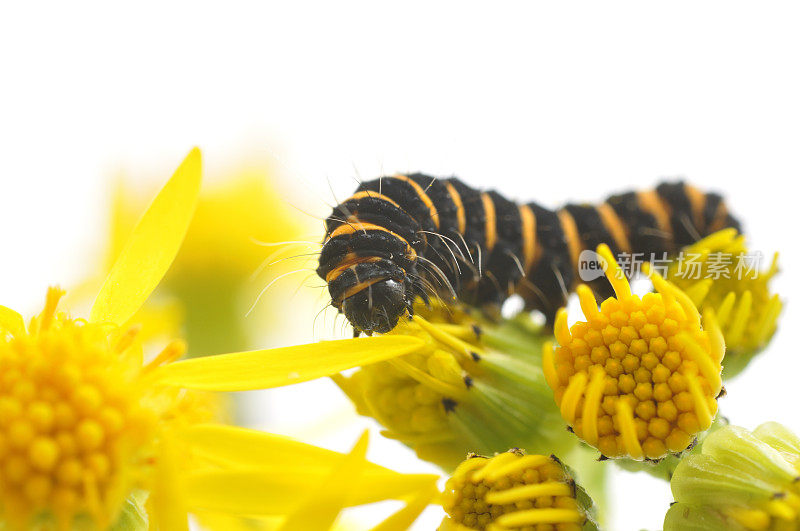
(98, 431)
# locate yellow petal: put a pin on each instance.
(209, 520)
(168, 499)
(323, 504)
(263, 369)
(11, 322)
(256, 473)
(269, 490)
(151, 247)
(232, 445)
(402, 519)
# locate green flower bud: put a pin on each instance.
(739, 480)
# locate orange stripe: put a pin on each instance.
(491, 221)
(571, 235)
(349, 260)
(350, 228)
(650, 202)
(369, 193)
(528, 235)
(424, 196)
(460, 215)
(360, 286)
(614, 226)
(698, 201)
(718, 223)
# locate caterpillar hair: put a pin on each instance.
(407, 236)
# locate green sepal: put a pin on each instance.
(780, 438)
(132, 517)
(704, 480)
(684, 517)
(738, 447)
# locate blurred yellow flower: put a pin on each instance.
(473, 385)
(720, 273)
(221, 266)
(640, 377)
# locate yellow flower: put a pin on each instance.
(77, 416)
(513, 490)
(740, 480)
(719, 272)
(639, 378)
(221, 267)
(471, 386)
(80, 420)
(89, 428)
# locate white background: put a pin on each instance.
(545, 101)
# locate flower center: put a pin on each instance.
(71, 419)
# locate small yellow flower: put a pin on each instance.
(718, 272)
(639, 378)
(740, 480)
(471, 386)
(513, 490)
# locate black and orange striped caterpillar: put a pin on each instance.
(407, 236)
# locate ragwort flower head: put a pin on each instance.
(471, 386)
(720, 273)
(639, 378)
(740, 480)
(513, 490)
(82, 420)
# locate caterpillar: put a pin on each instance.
(407, 236)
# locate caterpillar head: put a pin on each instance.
(373, 293)
(370, 269)
(377, 307)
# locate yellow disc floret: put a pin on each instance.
(639, 378)
(77, 420)
(512, 491)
